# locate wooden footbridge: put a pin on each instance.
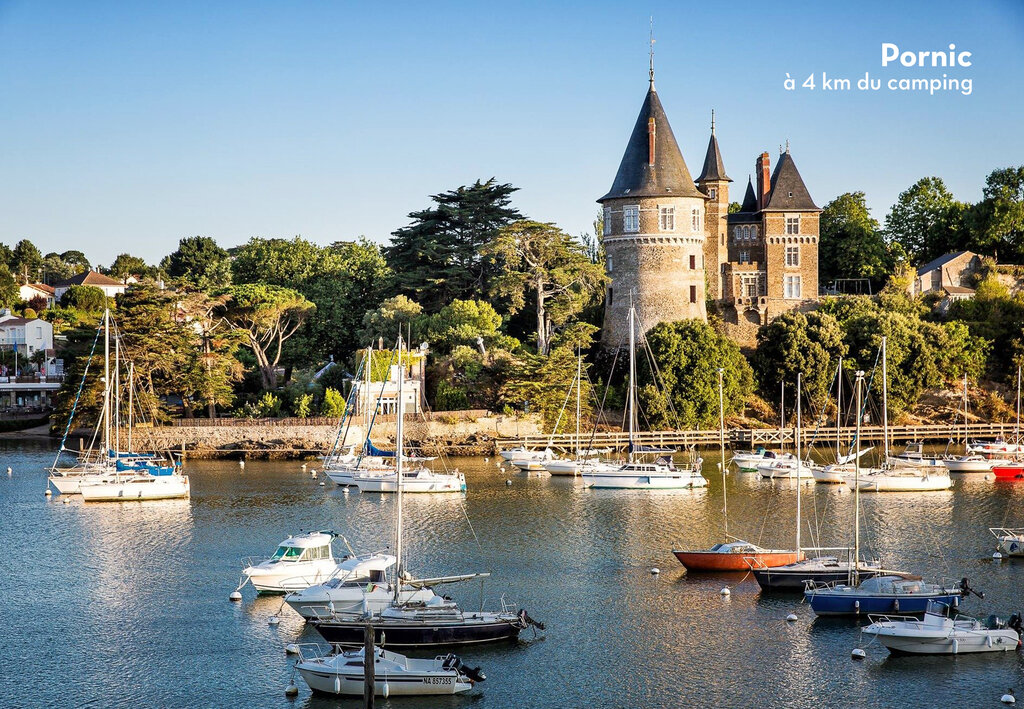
(767, 437)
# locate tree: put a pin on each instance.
(89, 299)
(851, 243)
(926, 221)
(997, 222)
(280, 262)
(735, 207)
(793, 343)
(437, 258)
(394, 314)
(269, 315)
(540, 259)
(463, 322)
(683, 392)
(26, 261)
(126, 265)
(10, 294)
(200, 263)
(76, 260)
(6, 255)
(334, 403)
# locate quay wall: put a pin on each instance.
(450, 435)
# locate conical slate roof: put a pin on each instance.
(749, 199)
(668, 175)
(714, 169)
(789, 193)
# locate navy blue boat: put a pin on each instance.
(882, 594)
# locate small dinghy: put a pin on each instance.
(939, 634)
(394, 675)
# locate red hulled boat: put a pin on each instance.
(736, 556)
(1009, 471)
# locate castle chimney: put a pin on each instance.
(650, 141)
(764, 180)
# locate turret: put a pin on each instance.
(714, 183)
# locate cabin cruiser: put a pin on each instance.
(896, 593)
(358, 584)
(971, 463)
(417, 480)
(524, 453)
(299, 562)
(913, 456)
(659, 475)
(130, 486)
(995, 449)
(533, 460)
(748, 461)
(939, 634)
(784, 466)
(343, 673)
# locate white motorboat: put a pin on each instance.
(1009, 541)
(523, 453)
(394, 675)
(659, 475)
(144, 486)
(834, 474)
(901, 480)
(534, 461)
(358, 584)
(995, 449)
(748, 461)
(913, 456)
(784, 466)
(416, 480)
(299, 562)
(581, 466)
(972, 463)
(939, 634)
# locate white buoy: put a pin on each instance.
(303, 466)
(291, 690)
(321, 484)
(313, 470)
(655, 571)
(273, 620)
(791, 618)
(1008, 698)
(486, 460)
(725, 591)
(241, 464)
(858, 654)
(344, 490)
(236, 595)
(291, 649)
(508, 483)
(48, 492)
(66, 500)
(313, 474)
(997, 556)
(9, 471)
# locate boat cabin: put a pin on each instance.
(315, 546)
(735, 548)
(358, 570)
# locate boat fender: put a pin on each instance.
(1008, 698)
(896, 605)
(858, 654)
(956, 601)
(387, 690)
(337, 684)
(956, 646)
(856, 606)
(725, 592)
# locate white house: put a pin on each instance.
(37, 290)
(109, 286)
(25, 336)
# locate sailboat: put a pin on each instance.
(894, 476)
(636, 474)
(788, 465)
(1012, 470)
(836, 473)
(583, 459)
(436, 621)
(969, 462)
(883, 593)
(735, 555)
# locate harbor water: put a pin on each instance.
(110, 605)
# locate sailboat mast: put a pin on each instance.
(782, 412)
(799, 460)
(839, 411)
(399, 452)
(579, 396)
(117, 397)
(632, 378)
(721, 444)
(131, 415)
(856, 487)
(106, 382)
(966, 452)
(1017, 430)
(885, 404)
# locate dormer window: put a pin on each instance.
(667, 218)
(631, 218)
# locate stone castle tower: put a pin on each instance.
(714, 183)
(654, 230)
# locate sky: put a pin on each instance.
(127, 126)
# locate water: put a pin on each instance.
(127, 604)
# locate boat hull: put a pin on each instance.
(417, 633)
(1011, 471)
(927, 482)
(839, 603)
(944, 644)
(273, 581)
(644, 482)
(134, 490)
(562, 467)
(783, 580)
(730, 561)
(405, 684)
(351, 599)
(974, 465)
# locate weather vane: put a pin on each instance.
(652, 52)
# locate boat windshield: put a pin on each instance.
(287, 553)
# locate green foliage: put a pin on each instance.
(9, 293)
(89, 299)
(302, 406)
(450, 397)
(200, 263)
(269, 405)
(461, 322)
(851, 243)
(29, 314)
(26, 259)
(126, 265)
(391, 316)
(997, 222)
(56, 268)
(688, 354)
(795, 343)
(541, 384)
(926, 221)
(735, 207)
(333, 404)
(542, 262)
(438, 258)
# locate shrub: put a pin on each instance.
(333, 404)
(302, 407)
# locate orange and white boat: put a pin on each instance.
(736, 556)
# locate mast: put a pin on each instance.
(799, 460)
(117, 397)
(721, 444)
(885, 404)
(855, 576)
(631, 401)
(131, 418)
(106, 382)
(399, 434)
(1017, 428)
(579, 395)
(782, 413)
(966, 452)
(839, 411)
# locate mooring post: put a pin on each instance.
(369, 653)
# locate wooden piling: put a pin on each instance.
(369, 655)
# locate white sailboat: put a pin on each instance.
(583, 459)
(785, 465)
(969, 462)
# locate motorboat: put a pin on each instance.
(1012, 470)
(820, 569)
(913, 456)
(416, 480)
(834, 474)
(892, 479)
(342, 470)
(437, 622)
(735, 556)
(995, 449)
(534, 460)
(300, 561)
(785, 466)
(972, 463)
(524, 453)
(940, 634)
(1009, 541)
(358, 583)
(659, 475)
(138, 486)
(748, 461)
(889, 593)
(394, 675)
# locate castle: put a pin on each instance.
(671, 245)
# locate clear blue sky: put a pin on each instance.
(127, 126)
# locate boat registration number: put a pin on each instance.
(437, 680)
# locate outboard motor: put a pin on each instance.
(1015, 623)
(526, 620)
(474, 674)
(965, 589)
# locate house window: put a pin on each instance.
(744, 257)
(631, 219)
(753, 232)
(792, 255)
(695, 220)
(607, 221)
(667, 218)
(749, 286)
(737, 233)
(608, 262)
(693, 294)
(713, 193)
(793, 224)
(792, 287)
(610, 298)
(693, 262)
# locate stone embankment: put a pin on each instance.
(450, 434)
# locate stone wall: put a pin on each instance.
(452, 437)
